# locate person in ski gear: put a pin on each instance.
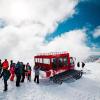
(0, 66)
(22, 71)
(12, 71)
(28, 71)
(78, 64)
(5, 74)
(5, 64)
(37, 72)
(81, 65)
(18, 73)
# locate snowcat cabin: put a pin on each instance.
(53, 63)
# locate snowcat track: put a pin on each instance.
(59, 78)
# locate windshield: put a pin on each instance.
(59, 62)
(71, 61)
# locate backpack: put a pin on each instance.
(83, 64)
(5, 65)
(78, 64)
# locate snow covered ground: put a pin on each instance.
(86, 88)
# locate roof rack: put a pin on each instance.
(53, 53)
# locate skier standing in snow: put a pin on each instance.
(18, 73)
(28, 71)
(12, 70)
(37, 72)
(22, 72)
(5, 74)
(81, 65)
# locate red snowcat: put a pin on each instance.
(57, 66)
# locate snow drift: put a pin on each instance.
(86, 88)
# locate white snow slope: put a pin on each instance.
(86, 88)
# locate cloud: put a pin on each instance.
(73, 42)
(21, 43)
(8, 40)
(46, 11)
(27, 24)
(97, 32)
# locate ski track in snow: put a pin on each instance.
(86, 88)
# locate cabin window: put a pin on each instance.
(40, 60)
(60, 62)
(65, 62)
(54, 63)
(71, 61)
(36, 60)
(46, 61)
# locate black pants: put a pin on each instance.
(5, 85)
(36, 79)
(29, 77)
(22, 77)
(0, 71)
(18, 77)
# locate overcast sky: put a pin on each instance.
(29, 27)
